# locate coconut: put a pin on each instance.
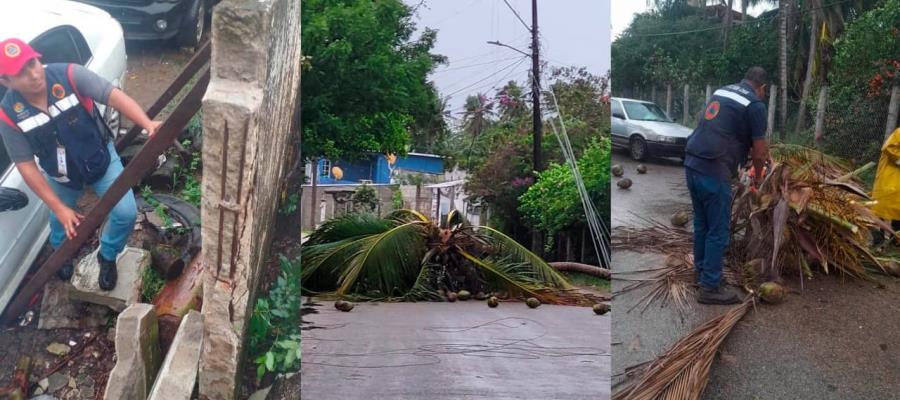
(345, 306)
(601, 308)
(463, 295)
(617, 170)
(338, 304)
(641, 169)
(624, 183)
(772, 292)
(892, 268)
(481, 296)
(533, 302)
(681, 218)
(493, 302)
(451, 297)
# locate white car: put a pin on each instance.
(67, 32)
(644, 130)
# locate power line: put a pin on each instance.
(513, 65)
(476, 65)
(517, 15)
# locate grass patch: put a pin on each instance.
(585, 280)
(151, 284)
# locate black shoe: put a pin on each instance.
(721, 295)
(108, 273)
(65, 273)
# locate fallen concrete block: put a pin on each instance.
(178, 375)
(130, 263)
(59, 311)
(137, 354)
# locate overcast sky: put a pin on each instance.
(573, 32)
(623, 12)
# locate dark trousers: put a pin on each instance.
(711, 198)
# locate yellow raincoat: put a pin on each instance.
(887, 180)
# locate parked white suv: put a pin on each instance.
(63, 32)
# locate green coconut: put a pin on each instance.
(601, 308)
(641, 169)
(338, 304)
(345, 306)
(464, 295)
(680, 218)
(481, 296)
(451, 297)
(493, 302)
(533, 302)
(617, 170)
(624, 183)
(772, 292)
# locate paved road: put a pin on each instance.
(838, 339)
(458, 351)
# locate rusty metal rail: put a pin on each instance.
(143, 162)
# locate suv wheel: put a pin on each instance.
(191, 31)
(638, 148)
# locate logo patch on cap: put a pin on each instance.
(58, 91)
(11, 50)
(18, 107)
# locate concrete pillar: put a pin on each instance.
(248, 121)
(893, 110)
(137, 354)
(770, 125)
(820, 113)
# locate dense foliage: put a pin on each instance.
(365, 88)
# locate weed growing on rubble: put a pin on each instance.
(274, 330)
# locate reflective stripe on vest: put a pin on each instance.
(733, 96)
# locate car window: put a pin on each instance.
(63, 44)
(644, 111)
(617, 108)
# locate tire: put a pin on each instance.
(191, 31)
(637, 148)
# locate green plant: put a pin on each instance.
(158, 208)
(290, 205)
(397, 198)
(365, 199)
(274, 329)
(151, 283)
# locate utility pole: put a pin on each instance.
(536, 87)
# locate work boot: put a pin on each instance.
(65, 273)
(721, 295)
(108, 273)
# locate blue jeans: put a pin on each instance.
(711, 198)
(119, 222)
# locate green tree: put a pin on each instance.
(365, 86)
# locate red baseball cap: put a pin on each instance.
(14, 54)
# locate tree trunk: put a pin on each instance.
(892, 112)
(669, 100)
(686, 105)
(807, 82)
(744, 5)
(584, 253)
(773, 95)
(653, 94)
(820, 112)
(570, 246)
(784, 7)
(582, 268)
(708, 92)
(726, 29)
(537, 246)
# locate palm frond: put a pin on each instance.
(407, 215)
(348, 226)
(505, 246)
(388, 262)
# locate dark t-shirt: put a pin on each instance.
(745, 120)
(88, 84)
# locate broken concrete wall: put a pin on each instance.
(137, 354)
(337, 201)
(248, 118)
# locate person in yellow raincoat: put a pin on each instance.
(887, 182)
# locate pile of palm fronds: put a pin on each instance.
(683, 371)
(406, 256)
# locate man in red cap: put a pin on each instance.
(60, 144)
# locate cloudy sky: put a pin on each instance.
(573, 32)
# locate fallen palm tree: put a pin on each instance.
(407, 256)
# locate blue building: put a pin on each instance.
(376, 169)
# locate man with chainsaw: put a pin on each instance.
(54, 134)
(732, 127)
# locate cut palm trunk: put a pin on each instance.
(682, 372)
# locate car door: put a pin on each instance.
(24, 231)
(619, 124)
